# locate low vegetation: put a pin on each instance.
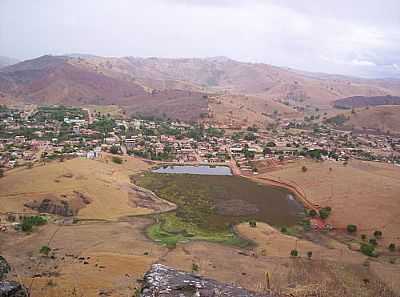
(28, 223)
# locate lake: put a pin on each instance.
(200, 169)
(218, 201)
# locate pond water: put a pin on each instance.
(189, 169)
(215, 202)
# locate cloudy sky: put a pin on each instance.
(353, 37)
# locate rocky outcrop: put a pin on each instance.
(163, 281)
(4, 268)
(9, 288)
(12, 289)
(61, 208)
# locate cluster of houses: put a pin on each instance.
(24, 139)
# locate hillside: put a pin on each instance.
(187, 89)
(384, 119)
(362, 101)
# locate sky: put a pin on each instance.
(351, 37)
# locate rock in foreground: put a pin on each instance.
(12, 289)
(163, 281)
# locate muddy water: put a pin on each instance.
(201, 169)
(223, 200)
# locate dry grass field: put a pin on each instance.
(366, 194)
(105, 184)
(106, 258)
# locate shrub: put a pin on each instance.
(1, 172)
(253, 223)
(284, 230)
(28, 222)
(373, 241)
(294, 253)
(368, 250)
(309, 255)
(304, 169)
(363, 237)
(351, 228)
(392, 247)
(312, 213)
(378, 234)
(45, 250)
(195, 267)
(117, 160)
(325, 212)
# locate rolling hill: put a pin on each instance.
(218, 89)
(362, 101)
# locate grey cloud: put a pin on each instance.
(347, 37)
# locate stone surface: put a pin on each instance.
(12, 289)
(163, 281)
(4, 268)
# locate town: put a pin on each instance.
(38, 134)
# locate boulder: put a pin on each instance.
(163, 281)
(4, 268)
(12, 289)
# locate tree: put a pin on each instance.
(294, 253)
(351, 228)
(253, 223)
(45, 250)
(325, 212)
(368, 250)
(378, 234)
(373, 242)
(312, 213)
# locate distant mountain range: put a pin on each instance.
(188, 89)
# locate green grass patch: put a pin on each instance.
(170, 230)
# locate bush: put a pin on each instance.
(284, 230)
(373, 242)
(368, 250)
(363, 237)
(117, 160)
(325, 212)
(45, 250)
(309, 255)
(312, 213)
(392, 247)
(378, 234)
(1, 172)
(195, 267)
(294, 253)
(351, 228)
(28, 223)
(304, 169)
(253, 223)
